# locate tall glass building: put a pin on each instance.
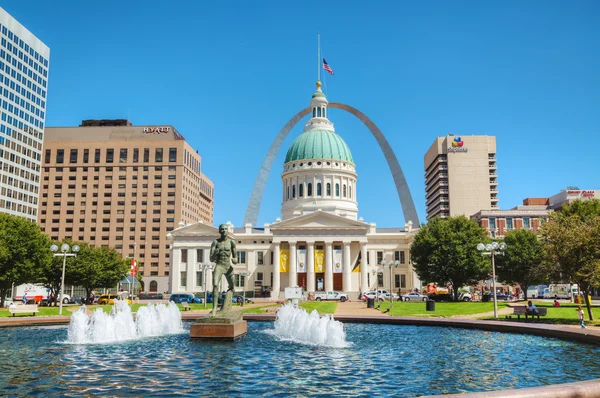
(24, 62)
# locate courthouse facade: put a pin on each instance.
(319, 243)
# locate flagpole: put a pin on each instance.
(319, 57)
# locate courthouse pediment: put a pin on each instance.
(320, 220)
(198, 229)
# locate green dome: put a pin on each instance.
(319, 144)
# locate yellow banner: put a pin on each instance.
(319, 260)
(357, 263)
(284, 260)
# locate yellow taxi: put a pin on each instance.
(110, 299)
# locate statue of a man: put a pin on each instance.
(223, 252)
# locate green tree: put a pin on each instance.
(571, 241)
(445, 251)
(24, 250)
(522, 261)
(97, 267)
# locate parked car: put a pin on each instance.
(372, 295)
(465, 297)
(499, 297)
(150, 296)
(110, 299)
(413, 296)
(179, 298)
(332, 295)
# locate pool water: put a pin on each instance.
(381, 360)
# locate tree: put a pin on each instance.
(445, 251)
(522, 261)
(571, 240)
(97, 267)
(50, 274)
(24, 249)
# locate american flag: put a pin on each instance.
(327, 67)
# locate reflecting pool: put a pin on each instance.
(379, 360)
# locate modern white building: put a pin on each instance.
(24, 62)
(318, 244)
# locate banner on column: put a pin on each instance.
(319, 261)
(284, 257)
(356, 267)
(337, 261)
(301, 258)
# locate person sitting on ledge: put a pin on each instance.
(532, 309)
(556, 303)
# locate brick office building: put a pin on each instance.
(109, 183)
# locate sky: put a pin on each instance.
(229, 74)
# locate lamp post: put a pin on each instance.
(391, 264)
(493, 249)
(64, 252)
(205, 267)
(245, 274)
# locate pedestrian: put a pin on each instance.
(24, 298)
(581, 317)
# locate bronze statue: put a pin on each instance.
(223, 253)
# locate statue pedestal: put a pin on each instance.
(231, 327)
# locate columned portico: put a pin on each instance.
(191, 270)
(310, 270)
(293, 269)
(328, 267)
(175, 276)
(346, 268)
(276, 274)
(364, 285)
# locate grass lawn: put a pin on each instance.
(321, 307)
(445, 310)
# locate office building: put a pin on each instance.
(461, 176)
(24, 62)
(109, 183)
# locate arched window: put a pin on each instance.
(153, 286)
(293, 191)
(337, 190)
(309, 189)
(288, 192)
(328, 189)
(314, 112)
(301, 190)
(344, 190)
(318, 189)
(324, 113)
(318, 112)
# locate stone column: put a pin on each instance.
(207, 274)
(276, 274)
(328, 267)
(175, 272)
(191, 271)
(293, 270)
(364, 286)
(310, 267)
(347, 268)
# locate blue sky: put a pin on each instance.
(229, 74)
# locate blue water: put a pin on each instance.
(383, 360)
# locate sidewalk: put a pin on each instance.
(357, 308)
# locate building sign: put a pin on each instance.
(581, 194)
(457, 145)
(156, 130)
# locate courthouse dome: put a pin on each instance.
(319, 144)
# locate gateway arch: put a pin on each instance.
(406, 201)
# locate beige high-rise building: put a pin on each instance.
(460, 176)
(109, 183)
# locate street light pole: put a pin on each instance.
(493, 249)
(65, 248)
(205, 267)
(245, 274)
(391, 264)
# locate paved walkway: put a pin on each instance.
(357, 308)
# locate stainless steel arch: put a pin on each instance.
(406, 201)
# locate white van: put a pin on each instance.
(532, 292)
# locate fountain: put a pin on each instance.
(100, 327)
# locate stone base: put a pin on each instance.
(219, 331)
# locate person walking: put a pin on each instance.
(581, 317)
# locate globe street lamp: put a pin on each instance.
(391, 264)
(245, 274)
(206, 267)
(64, 252)
(493, 249)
